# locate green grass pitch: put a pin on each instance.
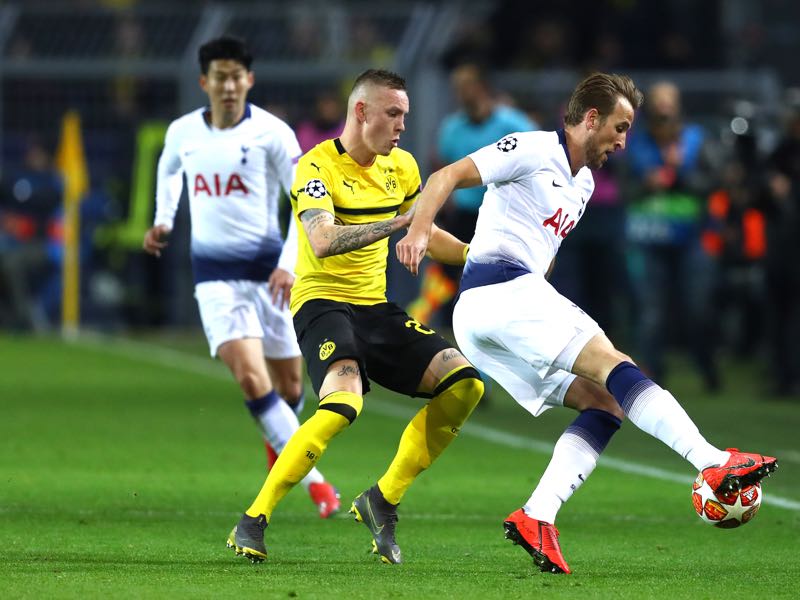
(123, 465)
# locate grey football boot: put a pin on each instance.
(380, 517)
(247, 538)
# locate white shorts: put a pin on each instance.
(524, 335)
(233, 310)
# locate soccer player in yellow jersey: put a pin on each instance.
(350, 194)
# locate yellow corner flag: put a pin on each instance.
(71, 162)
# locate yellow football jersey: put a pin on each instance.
(328, 179)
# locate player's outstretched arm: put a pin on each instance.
(328, 239)
(440, 185)
(446, 248)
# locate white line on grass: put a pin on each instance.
(175, 359)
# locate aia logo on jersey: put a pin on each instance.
(216, 186)
(561, 223)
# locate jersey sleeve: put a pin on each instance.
(313, 185)
(284, 154)
(288, 258)
(511, 158)
(169, 180)
(412, 184)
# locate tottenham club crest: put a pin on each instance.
(315, 188)
(507, 144)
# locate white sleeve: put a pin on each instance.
(509, 159)
(284, 154)
(288, 258)
(169, 182)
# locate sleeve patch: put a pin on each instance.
(315, 188)
(507, 144)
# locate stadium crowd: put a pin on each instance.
(691, 241)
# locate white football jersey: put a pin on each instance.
(234, 179)
(531, 204)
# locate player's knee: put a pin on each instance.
(465, 383)
(346, 404)
(253, 384)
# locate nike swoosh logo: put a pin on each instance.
(378, 530)
(556, 184)
(395, 555)
(750, 463)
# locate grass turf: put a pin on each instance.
(123, 466)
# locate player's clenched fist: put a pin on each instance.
(411, 249)
(155, 240)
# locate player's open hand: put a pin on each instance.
(155, 240)
(280, 286)
(411, 249)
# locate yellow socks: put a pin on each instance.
(336, 411)
(432, 429)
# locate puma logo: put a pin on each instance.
(315, 166)
(352, 189)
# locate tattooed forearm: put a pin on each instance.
(348, 371)
(328, 239)
(450, 354)
(353, 237)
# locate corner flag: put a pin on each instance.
(71, 162)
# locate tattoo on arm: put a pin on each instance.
(353, 237)
(313, 218)
(450, 354)
(344, 238)
(348, 370)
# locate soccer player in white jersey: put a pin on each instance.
(237, 159)
(542, 348)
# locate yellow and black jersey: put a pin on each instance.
(328, 179)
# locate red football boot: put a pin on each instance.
(326, 497)
(741, 470)
(539, 539)
(272, 456)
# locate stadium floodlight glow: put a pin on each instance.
(740, 125)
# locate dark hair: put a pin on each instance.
(382, 78)
(224, 48)
(601, 91)
(478, 70)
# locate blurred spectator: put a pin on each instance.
(325, 123)
(367, 44)
(671, 174)
(782, 209)
(30, 199)
(735, 236)
(128, 45)
(481, 120)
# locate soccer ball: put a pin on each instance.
(726, 509)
